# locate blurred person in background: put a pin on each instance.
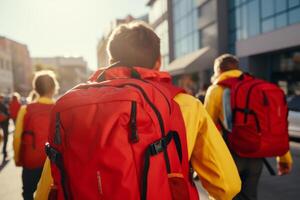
(4, 123)
(31, 132)
(226, 67)
(14, 106)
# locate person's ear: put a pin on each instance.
(157, 64)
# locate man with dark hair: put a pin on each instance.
(134, 51)
(226, 67)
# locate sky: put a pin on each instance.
(63, 27)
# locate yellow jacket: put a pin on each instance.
(207, 151)
(213, 104)
(19, 128)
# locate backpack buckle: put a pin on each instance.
(158, 146)
(52, 153)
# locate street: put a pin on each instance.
(270, 188)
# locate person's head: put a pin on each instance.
(16, 96)
(45, 84)
(225, 63)
(134, 44)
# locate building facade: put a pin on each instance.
(17, 60)
(265, 35)
(161, 22)
(6, 73)
(70, 71)
(200, 35)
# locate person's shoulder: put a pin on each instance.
(23, 108)
(214, 89)
(186, 99)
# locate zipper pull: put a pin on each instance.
(57, 136)
(134, 136)
(266, 101)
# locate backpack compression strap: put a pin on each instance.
(155, 148)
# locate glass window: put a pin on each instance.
(196, 40)
(238, 18)
(190, 43)
(294, 16)
(232, 19)
(232, 37)
(268, 25)
(280, 5)
(293, 3)
(200, 39)
(231, 4)
(244, 24)
(281, 20)
(237, 2)
(184, 46)
(267, 7)
(253, 18)
(199, 11)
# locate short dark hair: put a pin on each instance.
(134, 44)
(225, 63)
(44, 82)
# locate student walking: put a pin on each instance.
(130, 134)
(4, 123)
(252, 115)
(32, 132)
(14, 106)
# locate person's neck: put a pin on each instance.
(49, 96)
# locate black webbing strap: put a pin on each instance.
(176, 139)
(246, 111)
(133, 72)
(154, 149)
(269, 167)
(57, 136)
(56, 157)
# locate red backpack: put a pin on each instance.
(259, 118)
(122, 138)
(14, 107)
(35, 135)
(3, 117)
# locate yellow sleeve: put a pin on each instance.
(286, 158)
(45, 182)
(18, 134)
(213, 102)
(210, 156)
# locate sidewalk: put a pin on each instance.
(10, 177)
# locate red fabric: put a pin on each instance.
(100, 161)
(3, 117)
(14, 108)
(267, 102)
(35, 135)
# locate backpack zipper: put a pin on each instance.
(156, 111)
(265, 101)
(134, 136)
(248, 99)
(57, 136)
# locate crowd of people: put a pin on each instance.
(129, 133)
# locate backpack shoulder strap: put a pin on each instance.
(229, 83)
(174, 90)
